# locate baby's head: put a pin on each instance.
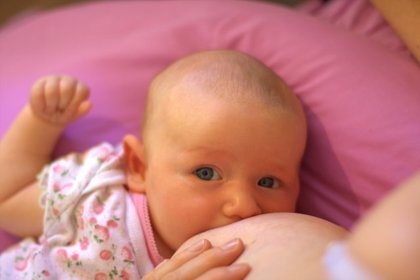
(223, 138)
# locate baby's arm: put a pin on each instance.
(27, 145)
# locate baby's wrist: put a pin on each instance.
(42, 122)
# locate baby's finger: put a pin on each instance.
(67, 88)
(209, 260)
(80, 95)
(233, 272)
(51, 96)
(37, 98)
(178, 260)
(84, 108)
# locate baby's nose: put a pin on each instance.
(241, 202)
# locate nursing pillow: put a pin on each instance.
(360, 93)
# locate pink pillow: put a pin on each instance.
(361, 96)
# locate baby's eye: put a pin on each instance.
(207, 174)
(268, 182)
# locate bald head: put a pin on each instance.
(231, 75)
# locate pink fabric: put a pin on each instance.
(359, 17)
(91, 229)
(359, 87)
(140, 203)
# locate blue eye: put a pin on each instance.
(207, 174)
(268, 182)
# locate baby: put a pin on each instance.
(222, 141)
(221, 146)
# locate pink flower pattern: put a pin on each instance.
(100, 225)
(84, 243)
(105, 255)
(101, 233)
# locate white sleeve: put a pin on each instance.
(339, 265)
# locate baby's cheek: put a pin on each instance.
(282, 202)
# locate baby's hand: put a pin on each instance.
(204, 262)
(59, 100)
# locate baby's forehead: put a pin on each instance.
(200, 86)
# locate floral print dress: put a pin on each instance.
(91, 226)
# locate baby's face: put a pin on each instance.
(212, 163)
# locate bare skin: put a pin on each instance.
(290, 245)
(27, 146)
(387, 239)
(279, 245)
(255, 181)
(42, 122)
(198, 120)
(200, 260)
(386, 242)
(404, 17)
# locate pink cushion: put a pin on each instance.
(361, 96)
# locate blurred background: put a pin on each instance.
(11, 8)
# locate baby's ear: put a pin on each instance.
(135, 164)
